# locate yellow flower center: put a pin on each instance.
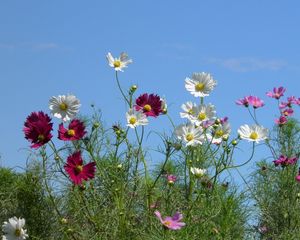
(254, 135)
(147, 108)
(63, 106)
(189, 137)
(78, 168)
(18, 232)
(199, 87)
(117, 63)
(190, 111)
(201, 116)
(41, 137)
(167, 223)
(219, 133)
(71, 132)
(132, 120)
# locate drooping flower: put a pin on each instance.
(136, 118)
(64, 107)
(77, 171)
(173, 223)
(254, 133)
(189, 110)
(118, 63)
(290, 101)
(171, 179)
(151, 104)
(255, 102)
(37, 129)
(243, 101)
(200, 85)
(281, 121)
(277, 92)
(284, 161)
(198, 172)
(203, 113)
(75, 131)
(14, 229)
(190, 134)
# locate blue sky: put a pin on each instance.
(57, 47)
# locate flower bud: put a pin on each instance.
(234, 142)
(63, 221)
(132, 89)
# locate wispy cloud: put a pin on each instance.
(30, 46)
(45, 46)
(248, 64)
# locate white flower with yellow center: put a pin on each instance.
(188, 110)
(64, 107)
(136, 118)
(200, 85)
(254, 133)
(14, 229)
(221, 132)
(203, 113)
(190, 134)
(198, 172)
(118, 63)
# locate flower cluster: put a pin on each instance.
(284, 161)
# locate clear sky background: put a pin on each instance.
(57, 47)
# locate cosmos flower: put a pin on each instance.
(118, 63)
(64, 107)
(77, 171)
(203, 113)
(221, 132)
(171, 179)
(75, 131)
(284, 161)
(188, 110)
(200, 85)
(287, 112)
(298, 176)
(277, 92)
(151, 104)
(14, 229)
(164, 106)
(255, 102)
(136, 118)
(243, 101)
(254, 133)
(190, 134)
(198, 172)
(37, 129)
(290, 101)
(173, 223)
(281, 121)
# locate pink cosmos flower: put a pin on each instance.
(77, 171)
(298, 176)
(287, 112)
(284, 161)
(151, 104)
(277, 92)
(255, 102)
(281, 121)
(171, 179)
(172, 223)
(37, 129)
(75, 131)
(290, 101)
(243, 101)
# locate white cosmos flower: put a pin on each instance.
(198, 172)
(254, 133)
(136, 118)
(190, 134)
(14, 229)
(64, 107)
(189, 110)
(221, 132)
(200, 85)
(203, 113)
(118, 63)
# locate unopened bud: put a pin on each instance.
(234, 142)
(64, 221)
(96, 125)
(133, 88)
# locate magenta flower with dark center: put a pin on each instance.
(255, 102)
(77, 171)
(171, 179)
(37, 129)
(281, 121)
(287, 112)
(243, 101)
(150, 105)
(277, 92)
(173, 223)
(75, 131)
(290, 101)
(284, 161)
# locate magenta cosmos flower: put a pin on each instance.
(283, 161)
(171, 179)
(37, 129)
(298, 176)
(75, 131)
(287, 112)
(277, 92)
(281, 121)
(77, 171)
(173, 223)
(255, 102)
(243, 101)
(290, 101)
(151, 104)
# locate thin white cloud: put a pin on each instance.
(248, 64)
(30, 46)
(45, 46)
